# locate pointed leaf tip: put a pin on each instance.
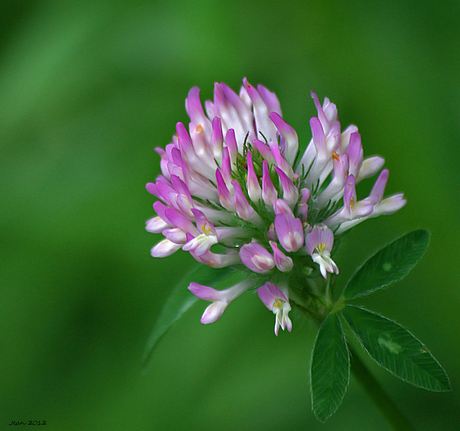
(396, 349)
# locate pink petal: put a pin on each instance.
(268, 293)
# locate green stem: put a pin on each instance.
(378, 395)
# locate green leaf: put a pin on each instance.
(330, 368)
(396, 349)
(390, 264)
(180, 300)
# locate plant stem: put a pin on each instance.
(378, 395)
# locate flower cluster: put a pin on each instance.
(236, 180)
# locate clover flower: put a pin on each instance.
(235, 179)
(278, 302)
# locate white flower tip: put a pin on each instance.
(213, 312)
(323, 271)
(392, 204)
(165, 248)
(155, 225)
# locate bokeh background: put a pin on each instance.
(88, 89)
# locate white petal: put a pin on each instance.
(165, 248)
(155, 225)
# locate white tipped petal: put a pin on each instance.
(165, 248)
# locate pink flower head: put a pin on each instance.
(165, 248)
(351, 210)
(217, 138)
(278, 302)
(327, 113)
(319, 242)
(264, 150)
(256, 258)
(289, 231)
(234, 191)
(335, 188)
(175, 235)
(269, 193)
(282, 207)
(384, 206)
(279, 160)
(379, 205)
(283, 263)
(225, 197)
(155, 225)
(355, 154)
(243, 209)
(290, 191)
(219, 298)
(370, 167)
(207, 237)
(302, 209)
(215, 260)
(253, 186)
(289, 134)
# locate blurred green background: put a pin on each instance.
(88, 89)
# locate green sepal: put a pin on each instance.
(180, 300)
(390, 264)
(396, 349)
(330, 368)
